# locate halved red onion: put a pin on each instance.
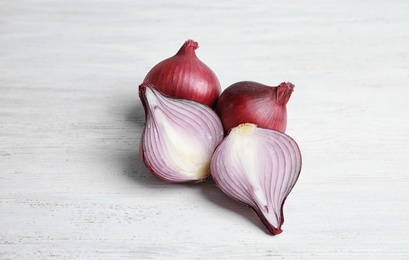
(179, 136)
(258, 167)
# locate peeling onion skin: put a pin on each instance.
(185, 76)
(258, 167)
(256, 103)
(179, 136)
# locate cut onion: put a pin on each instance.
(179, 136)
(258, 167)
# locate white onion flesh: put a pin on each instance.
(258, 167)
(179, 136)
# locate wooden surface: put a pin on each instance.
(71, 183)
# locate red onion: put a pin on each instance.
(185, 76)
(252, 102)
(258, 167)
(179, 136)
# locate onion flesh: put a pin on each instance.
(258, 167)
(179, 136)
(256, 103)
(185, 76)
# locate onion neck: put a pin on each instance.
(188, 47)
(284, 91)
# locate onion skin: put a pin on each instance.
(256, 103)
(178, 138)
(258, 167)
(185, 76)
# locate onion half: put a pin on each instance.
(179, 136)
(258, 167)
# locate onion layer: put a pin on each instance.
(179, 136)
(258, 167)
(252, 102)
(185, 76)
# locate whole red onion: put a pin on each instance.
(252, 102)
(185, 76)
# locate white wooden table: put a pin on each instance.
(71, 183)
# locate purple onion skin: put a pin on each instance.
(256, 103)
(185, 76)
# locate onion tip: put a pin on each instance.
(284, 91)
(188, 47)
